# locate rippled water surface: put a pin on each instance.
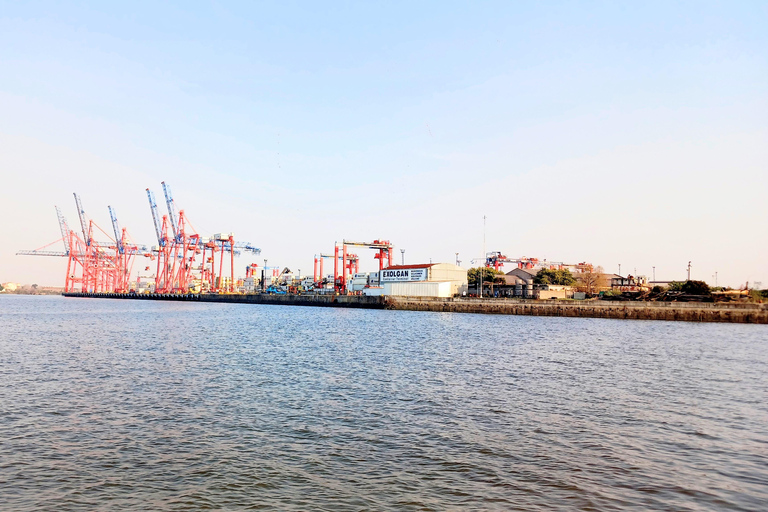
(138, 405)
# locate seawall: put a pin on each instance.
(673, 311)
(338, 301)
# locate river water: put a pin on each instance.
(140, 405)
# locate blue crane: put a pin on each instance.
(64, 229)
(156, 218)
(171, 211)
(246, 246)
(83, 221)
(116, 228)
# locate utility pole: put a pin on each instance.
(457, 259)
(689, 270)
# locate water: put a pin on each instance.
(133, 405)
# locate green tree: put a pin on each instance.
(489, 275)
(696, 288)
(551, 276)
(692, 287)
(1, 288)
(676, 286)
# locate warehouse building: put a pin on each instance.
(425, 280)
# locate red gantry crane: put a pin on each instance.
(351, 264)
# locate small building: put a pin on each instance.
(425, 280)
(630, 284)
(519, 283)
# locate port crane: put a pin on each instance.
(496, 260)
(95, 266)
(383, 250)
(178, 270)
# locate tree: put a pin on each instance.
(1, 288)
(591, 280)
(690, 287)
(550, 276)
(696, 288)
(676, 286)
(489, 274)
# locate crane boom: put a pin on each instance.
(376, 244)
(83, 222)
(155, 218)
(247, 246)
(64, 228)
(42, 253)
(171, 210)
(116, 228)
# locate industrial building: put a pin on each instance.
(424, 280)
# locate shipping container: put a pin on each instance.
(420, 289)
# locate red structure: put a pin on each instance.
(178, 268)
(350, 263)
(94, 266)
(185, 262)
(496, 260)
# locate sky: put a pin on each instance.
(616, 133)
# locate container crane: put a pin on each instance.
(162, 276)
(125, 252)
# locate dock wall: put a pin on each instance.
(340, 301)
(674, 311)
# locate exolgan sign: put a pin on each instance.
(406, 274)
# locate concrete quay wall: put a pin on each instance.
(674, 311)
(339, 301)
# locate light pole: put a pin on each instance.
(402, 256)
(482, 265)
(457, 259)
(619, 268)
(689, 270)
(654, 274)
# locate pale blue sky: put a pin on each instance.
(629, 133)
